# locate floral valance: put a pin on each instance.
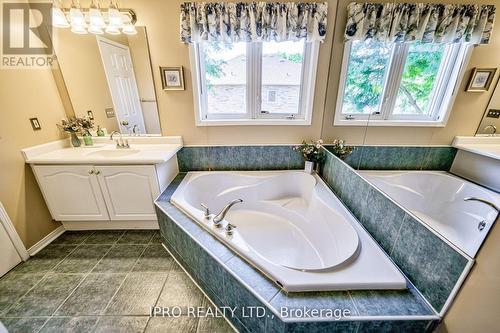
(252, 21)
(428, 23)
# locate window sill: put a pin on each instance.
(389, 123)
(254, 122)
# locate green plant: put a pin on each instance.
(311, 151)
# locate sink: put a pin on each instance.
(110, 153)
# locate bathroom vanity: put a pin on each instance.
(102, 186)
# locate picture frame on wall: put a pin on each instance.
(480, 79)
(172, 78)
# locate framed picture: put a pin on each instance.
(172, 78)
(480, 79)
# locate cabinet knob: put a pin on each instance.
(91, 172)
(97, 172)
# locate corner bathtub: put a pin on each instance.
(437, 198)
(292, 228)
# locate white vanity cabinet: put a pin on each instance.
(129, 191)
(120, 194)
(72, 192)
(102, 187)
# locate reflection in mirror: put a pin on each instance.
(109, 77)
(490, 124)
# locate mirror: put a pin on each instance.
(109, 78)
(490, 123)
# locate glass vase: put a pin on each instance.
(75, 141)
(87, 139)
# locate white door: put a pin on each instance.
(71, 192)
(122, 85)
(9, 257)
(129, 191)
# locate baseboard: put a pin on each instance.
(46, 240)
(107, 225)
(12, 233)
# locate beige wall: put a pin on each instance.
(25, 94)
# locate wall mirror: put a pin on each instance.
(490, 123)
(109, 77)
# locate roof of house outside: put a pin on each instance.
(284, 72)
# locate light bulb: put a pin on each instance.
(96, 18)
(129, 29)
(114, 17)
(76, 16)
(59, 18)
(96, 30)
(112, 30)
(78, 29)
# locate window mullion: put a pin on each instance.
(254, 78)
(396, 68)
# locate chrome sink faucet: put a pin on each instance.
(219, 217)
(493, 127)
(120, 143)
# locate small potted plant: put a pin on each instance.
(312, 154)
(340, 149)
(73, 127)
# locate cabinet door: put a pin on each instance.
(72, 192)
(129, 191)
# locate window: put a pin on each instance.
(254, 83)
(398, 84)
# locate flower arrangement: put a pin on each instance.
(340, 149)
(76, 125)
(311, 151)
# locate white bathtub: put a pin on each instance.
(437, 198)
(292, 228)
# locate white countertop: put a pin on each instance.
(143, 150)
(488, 146)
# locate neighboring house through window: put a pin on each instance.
(254, 83)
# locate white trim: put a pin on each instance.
(46, 240)
(110, 225)
(12, 233)
(457, 287)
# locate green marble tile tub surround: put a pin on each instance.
(49, 293)
(431, 264)
(226, 158)
(230, 281)
(401, 157)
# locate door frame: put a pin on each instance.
(12, 233)
(100, 39)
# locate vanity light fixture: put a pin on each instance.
(95, 20)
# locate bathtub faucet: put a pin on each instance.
(491, 204)
(219, 217)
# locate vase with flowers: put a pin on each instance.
(312, 154)
(75, 126)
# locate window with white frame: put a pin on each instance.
(255, 82)
(410, 84)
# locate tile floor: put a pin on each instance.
(103, 281)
